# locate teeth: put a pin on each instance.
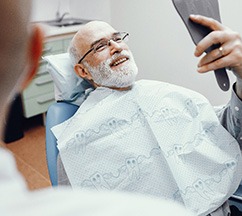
(119, 61)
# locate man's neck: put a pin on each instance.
(120, 89)
(114, 87)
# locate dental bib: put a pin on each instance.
(156, 139)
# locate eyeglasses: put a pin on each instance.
(100, 45)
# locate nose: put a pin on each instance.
(115, 47)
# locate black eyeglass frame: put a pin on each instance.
(108, 41)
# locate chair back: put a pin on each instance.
(56, 114)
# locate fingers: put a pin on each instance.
(229, 52)
(219, 63)
(227, 58)
(208, 22)
(230, 49)
(215, 54)
(215, 37)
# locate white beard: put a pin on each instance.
(124, 76)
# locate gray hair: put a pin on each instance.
(75, 55)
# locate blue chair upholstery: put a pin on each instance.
(56, 114)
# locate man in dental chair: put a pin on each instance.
(151, 137)
(20, 49)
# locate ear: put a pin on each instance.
(81, 71)
(34, 53)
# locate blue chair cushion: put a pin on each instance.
(56, 114)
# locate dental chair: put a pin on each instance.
(56, 114)
(69, 95)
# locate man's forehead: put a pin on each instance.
(96, 30)
(98, 25)
(90, 33)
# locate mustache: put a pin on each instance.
(123, 53)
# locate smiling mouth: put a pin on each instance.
(119, 61)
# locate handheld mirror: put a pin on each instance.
(208, 8)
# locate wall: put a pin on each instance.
(162, 46)
(87, 9)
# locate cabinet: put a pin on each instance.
(39, 95)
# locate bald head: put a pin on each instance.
(86, 35)
(89, 31)
(14, 16)
(14, 29)
(20, 47)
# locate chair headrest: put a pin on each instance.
(68, 86)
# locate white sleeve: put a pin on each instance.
(10, 179)
(65, 202)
